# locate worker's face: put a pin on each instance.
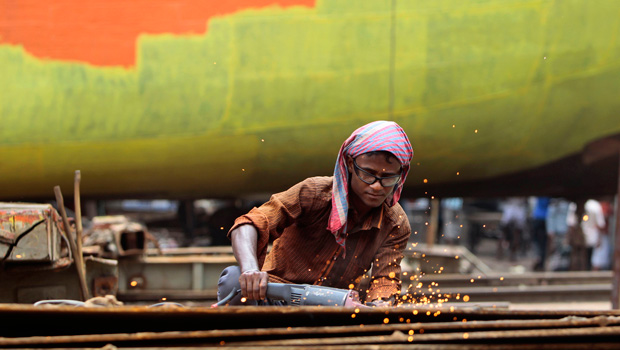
(365, 196)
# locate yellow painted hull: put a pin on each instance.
(266, 96)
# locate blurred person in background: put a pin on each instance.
(579, 258)
(587, 236)
(539, 231)
(596, 226)
(452, 213)
(557, 227)
(512, 224)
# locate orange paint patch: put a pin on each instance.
(105, 32)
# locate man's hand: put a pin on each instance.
(254, 284)
(381, 302)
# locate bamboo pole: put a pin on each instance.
(78, 220)
(615, 290)
(77, 258)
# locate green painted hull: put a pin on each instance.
(266, 97)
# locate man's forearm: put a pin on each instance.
(245, 242)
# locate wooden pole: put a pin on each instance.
(78, 225)
(433, 225)
(615, 290)
(76, 258)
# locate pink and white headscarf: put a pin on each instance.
(376, 136)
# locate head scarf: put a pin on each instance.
(376, 136)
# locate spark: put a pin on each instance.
(386, 320)
(458, 173)
(425, 180)
(465, 335)
(466, 298)
(244, 299)
(453, 125)
(476, 131)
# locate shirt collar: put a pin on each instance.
(373, 219)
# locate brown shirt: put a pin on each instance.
(305, 252)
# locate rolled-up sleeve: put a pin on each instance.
(280, 212)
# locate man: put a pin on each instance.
(331, 230)
(539, 230)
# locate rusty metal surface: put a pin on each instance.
(181, 276)
(117, 236)
(504, 279)
(307, 327)
(29, 233)
(34, 282)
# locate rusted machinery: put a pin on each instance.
(36, 262)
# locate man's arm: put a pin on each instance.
(253, 281)
(253, 231)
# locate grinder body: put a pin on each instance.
(306, 294)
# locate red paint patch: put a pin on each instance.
(104, 32)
